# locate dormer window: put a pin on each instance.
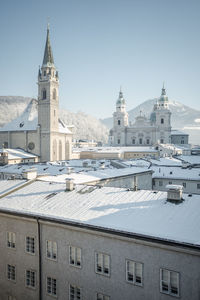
(44, 94)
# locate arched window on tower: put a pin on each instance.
(54, 94)
(162, 121)
(44, 94)
(118, 122)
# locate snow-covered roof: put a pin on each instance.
(117, 149)
(192, 159)
(28, 120)
(166, 161)
(17, 153)
(176, 173)
(143, 212)
(90, 176)
(8, 185)
(178, 132)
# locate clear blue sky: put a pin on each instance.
(99, 45)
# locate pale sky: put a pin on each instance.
(99, 45)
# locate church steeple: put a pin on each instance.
(48, 54)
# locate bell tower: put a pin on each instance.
(48, 83)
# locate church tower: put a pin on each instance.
(48, 91)
(48, 104)
(163, 119)
(120, 119)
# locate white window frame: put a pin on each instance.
(169, 282)
(31, 248)
(51, 286)
(134, 273)
(75, 256)
(100, 296)
(31, 280)
(99, 256)
(11, 240)
(51, 250)
(11, 273)
(76, 294)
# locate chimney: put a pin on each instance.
(69, 184)
(174, 193)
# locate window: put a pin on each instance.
(118, 122)
(45, 73)
(184, 184)
(140, 141)
(11, 272)
(161, 141)
(198, 185)
(118, 141)
(51, 250)
(162, 121)
(134, 272)
(102, 264)
(169, 282)
(182, 142)
(74, 292)
(147, 141)
(133, 141)
(30, 244)
(170, 182)
(160, 183)
(75, 256)
(51, 286)
(44, 94)
(102, 297)
(30, 278)
(11, 240)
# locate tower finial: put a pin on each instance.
(163, 89)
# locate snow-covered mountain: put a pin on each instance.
(25, 109)
(183, 117)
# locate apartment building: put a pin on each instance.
(61, 242)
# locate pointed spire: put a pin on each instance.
(163, 90)
(48, 55)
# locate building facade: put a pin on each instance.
(45, 135)
(143, 132)
(53, 249)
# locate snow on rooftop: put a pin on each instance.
(176, 173)
(28, 120)
(142, 212)
(166, 161)
(116, 149)
(178, 132)
(90, 176)
(17, 153)
(192, 159)
(8, 185)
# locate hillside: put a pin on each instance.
(86, 127)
